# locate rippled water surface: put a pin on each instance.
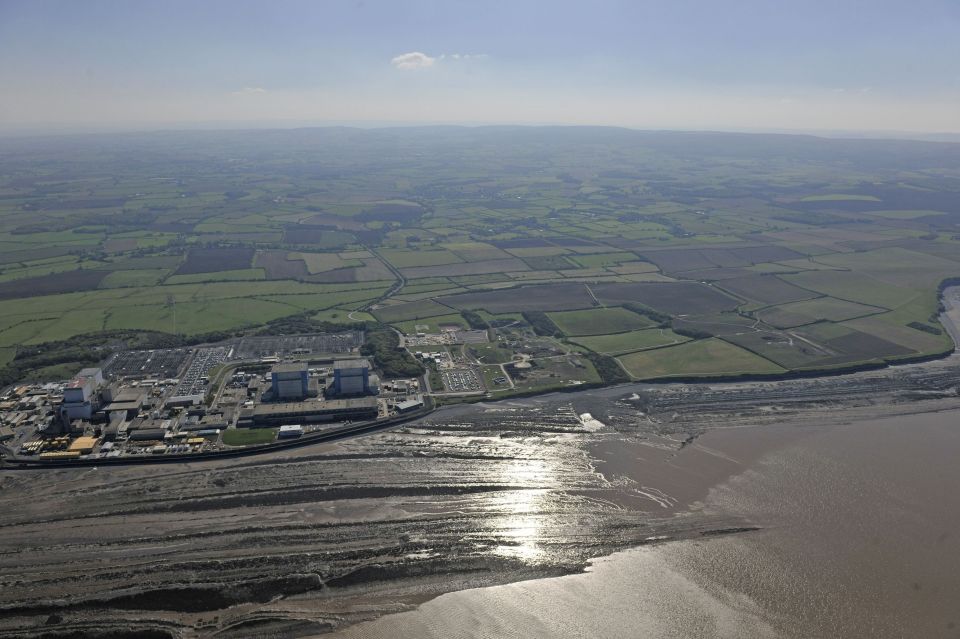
(860, 538)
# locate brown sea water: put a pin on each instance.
(860, 538)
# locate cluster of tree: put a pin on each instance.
(474, 320)
(383, 346)
(19, 370)
(692, 333)
(608, 368)
(662, 319)
(436, 380)
(920, 326)
(542, 324)
(81, 350)
(304, 323)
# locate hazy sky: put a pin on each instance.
(720, 64)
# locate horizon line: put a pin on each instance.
(64, 129)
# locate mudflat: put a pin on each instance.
(315, 540)
(856, 537)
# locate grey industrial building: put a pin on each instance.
(80, 397)
(356, 409)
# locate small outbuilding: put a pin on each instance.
(290, 431)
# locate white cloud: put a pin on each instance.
(250, 91)
(463, 56)
(417, 60)
(412, 60)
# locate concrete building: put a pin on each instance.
(183, 401)
(289, 381)
(291, 431)
(409, 405)
(78, 399)
(83, 444)
(127, 402)
(351, 377)
(95, 375)
(148, 435)
(356, 409)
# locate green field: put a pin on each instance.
(248, 436)
(549, 374)
(703, 357)
(620, 343)
(599, 321)
(840, 197)
(491, 353)
(575, 223)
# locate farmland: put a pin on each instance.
(599, 321)
(678, 254)
(703, 357)
(621, 343)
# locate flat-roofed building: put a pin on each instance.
(290, 431)
(127, 402)
(409, 405)
(355, 409)
(83, 444)
(95, 375)
(183, 401)
(147, 435)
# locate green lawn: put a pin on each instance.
(600, 260)
(410, 258)
(599, 321)
(491, 353)
(6, 354)
(248, 436)
(219, 276)
(840, 197)
(702, 357)
(620, 343)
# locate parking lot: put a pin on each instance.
(158, 364)
(193, 382)
(461, 380)
(287, 345)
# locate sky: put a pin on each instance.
(838, 65)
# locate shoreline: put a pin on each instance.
(512, 490)
(676, 560)
(950, 325)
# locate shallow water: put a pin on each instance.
(860, 539)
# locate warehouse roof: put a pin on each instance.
(350, 363)
(330, 405)
(289, 367)
(409, 404)
(148, 434)
(83, 443)
(129, 395)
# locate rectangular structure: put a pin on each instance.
(290, 431)
(95, 375)
(289, 381)
(408, 405)
(351, 377)
(360, 408)
(83, 444)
